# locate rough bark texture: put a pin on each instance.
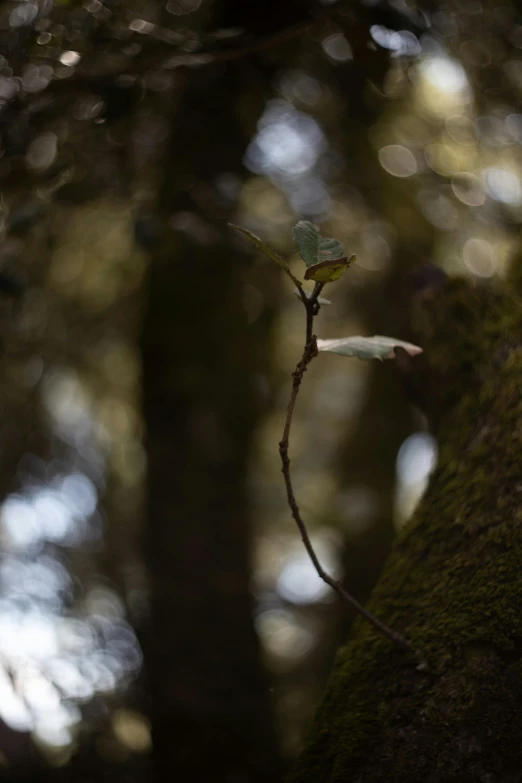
(453, 583)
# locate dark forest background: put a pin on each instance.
(159, 619)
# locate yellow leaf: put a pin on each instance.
(328, 271)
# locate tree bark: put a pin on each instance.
(453, 582)
(210, 700)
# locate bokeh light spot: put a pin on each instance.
(397, 160)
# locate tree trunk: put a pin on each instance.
(453, 583)
(210, 700)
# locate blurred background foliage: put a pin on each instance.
(158, 615)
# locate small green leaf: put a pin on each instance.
(330, 249)
(328, 271)
(308, 294)
(314, 248)
(307, 238)
(376, 347)
(266, 249)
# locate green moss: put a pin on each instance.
(453, 583)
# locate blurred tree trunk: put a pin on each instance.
(210, 699)
(452, 584)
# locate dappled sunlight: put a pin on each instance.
(288, 143)
(146, 345)
(47, 657)
(288, 149)
(66, 639)
(299, 582)
(282, 635)
(416, 459)
(59, 513)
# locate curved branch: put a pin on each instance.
(309, 352)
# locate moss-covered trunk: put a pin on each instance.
(453, 583)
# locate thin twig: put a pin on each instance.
(309, 352)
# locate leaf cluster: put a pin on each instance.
(326, 260)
